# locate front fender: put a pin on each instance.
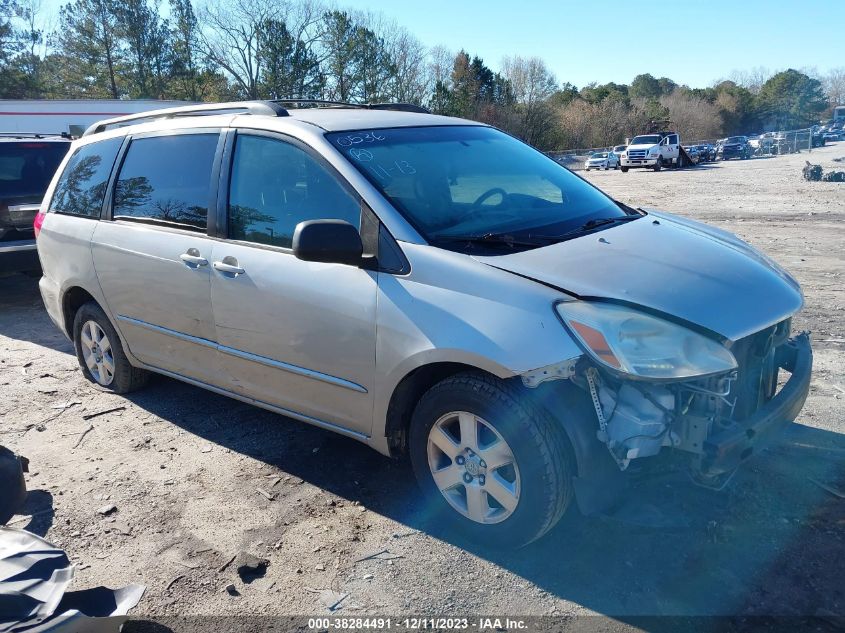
(454, 309)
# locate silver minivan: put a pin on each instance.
(429, 286)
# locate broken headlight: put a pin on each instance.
(642, 345)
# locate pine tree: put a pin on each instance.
(90, 58)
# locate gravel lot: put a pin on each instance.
(182, 466)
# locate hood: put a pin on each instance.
(642, 146)
(676, 267)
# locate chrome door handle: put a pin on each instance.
(193, 258)
(230, 266)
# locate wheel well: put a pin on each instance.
(406, 395)
(73, 299)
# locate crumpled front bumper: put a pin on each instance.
(726, 450)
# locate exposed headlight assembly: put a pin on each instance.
(642, 345)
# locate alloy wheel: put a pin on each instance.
(473, 467)
(97, 352)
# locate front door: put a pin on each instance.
(294, 334)
(153, 258)
(674, 147)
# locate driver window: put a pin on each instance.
(275, 186)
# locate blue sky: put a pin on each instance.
(584, 41)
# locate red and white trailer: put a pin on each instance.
(71, 116)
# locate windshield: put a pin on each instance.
(470, 180)
(648, 139)
(735, 139)
(599, 155)
(26, 168)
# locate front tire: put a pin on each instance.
(624, 170)
(659, 164)
(100, 352)
(489, 461)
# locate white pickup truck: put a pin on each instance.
(653, 151)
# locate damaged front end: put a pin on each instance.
(720, 420)
(654, 384)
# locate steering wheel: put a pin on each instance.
(489, 194)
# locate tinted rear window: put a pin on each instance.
(82, 185)
(26, 168)
(166, 180)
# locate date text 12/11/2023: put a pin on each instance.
(409, 624)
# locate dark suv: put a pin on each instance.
(27, 164)
(735, 147)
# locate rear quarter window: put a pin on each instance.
(81, 188)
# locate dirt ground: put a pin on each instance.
(183, 467)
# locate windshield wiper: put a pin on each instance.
(493, 239)
(531, 240)
(588, 226)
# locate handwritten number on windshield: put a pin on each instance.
(364, 155)
(360, 137)
(388, 171)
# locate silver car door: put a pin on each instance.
(152, 257)
(294, 334)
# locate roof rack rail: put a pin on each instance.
(401, 107)
(320, 102)
(35, 134)
(266, 108)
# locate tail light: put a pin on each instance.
(39, 220)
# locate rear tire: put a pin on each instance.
(100, 352)
(468, 418)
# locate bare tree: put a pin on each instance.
(582, 124)
(230, 38)
(532, 83)
(441, 60)
(834, 85)
(530, 79)
(411, 82)
(696, 118)
(752, 79)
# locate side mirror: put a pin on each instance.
(330, 241)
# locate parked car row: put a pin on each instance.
(832, 133)
(701, 153)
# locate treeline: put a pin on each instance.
(256, 49)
